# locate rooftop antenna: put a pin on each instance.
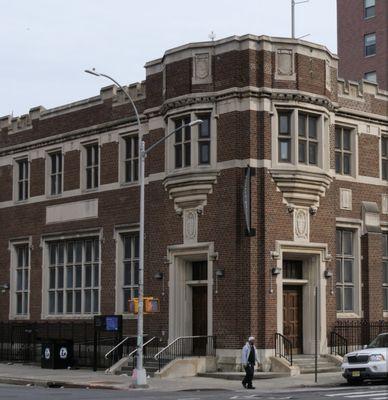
(212, 36)
(293, 4)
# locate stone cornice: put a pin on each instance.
(240, 93)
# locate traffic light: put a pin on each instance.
(151, 305)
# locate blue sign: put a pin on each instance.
(112, 323)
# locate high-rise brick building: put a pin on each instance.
(230, 251)
(363, 40)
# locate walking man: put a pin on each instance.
(248, 360)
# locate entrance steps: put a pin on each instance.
(306, 364)
(151, 366)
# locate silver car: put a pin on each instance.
(368, 363)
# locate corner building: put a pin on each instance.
(237, 251)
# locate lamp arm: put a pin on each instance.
(127, 94)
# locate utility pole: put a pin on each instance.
(293, 4)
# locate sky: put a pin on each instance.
(45, 45)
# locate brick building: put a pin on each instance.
(240, 251)
(363, 40)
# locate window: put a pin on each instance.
(345, 270)
(370, 76)
(343, 151)
(204, 140)
(299, 137)
(74, 277)
(369, 8)
(284, 137)
(370, 44)
(22, 279)
(55, 166)
(385, 270)
(384, 157)
(308, 139)
(192, 145)
(130, 268)
(182, 143)
(22, 179)
(131, 159)
(92, 161)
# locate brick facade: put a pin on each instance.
(352, 26)
(247, 82)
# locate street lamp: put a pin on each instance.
(141, 376)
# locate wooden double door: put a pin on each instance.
(293, 316)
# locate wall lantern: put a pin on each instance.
(220, 273)
(4, 287)
(276, 271)
(160, 277)
(328, 274)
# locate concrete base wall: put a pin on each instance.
(229, 360)
(187, 367)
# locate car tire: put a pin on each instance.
(354, 381)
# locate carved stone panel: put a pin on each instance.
(384, 203)
(201, 68)
(328, 75)
(285, 65)
(190, 226)
(301, 224)
(345, 199)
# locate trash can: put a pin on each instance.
(57, 354)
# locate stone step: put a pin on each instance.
(312, 365)
(320, 370)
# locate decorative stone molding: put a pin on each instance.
(202, 72)
(190, 226)
(285, 65)
(384, 203)
(185, 102)
(301, 188)
(328, 74)
(345, 199)
(301, 225)
(370, 217)
(190, 190)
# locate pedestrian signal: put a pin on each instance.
(150, 305)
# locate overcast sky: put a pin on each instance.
(46, 44)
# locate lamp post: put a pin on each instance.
(141, 376)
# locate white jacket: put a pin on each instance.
(245, 353)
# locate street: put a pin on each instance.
(369, 392)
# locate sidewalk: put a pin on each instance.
(34, 375)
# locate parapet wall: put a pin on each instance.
(109, 93)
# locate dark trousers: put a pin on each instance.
(249, 369)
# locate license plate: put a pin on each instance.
(355, 373)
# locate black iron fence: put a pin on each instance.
(350, 335)
(21, 342)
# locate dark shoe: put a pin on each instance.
(244, 384)
(251, 387)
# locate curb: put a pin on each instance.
(56, 384)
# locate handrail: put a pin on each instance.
(144, 344)
(117, 345)
(174, 341)
(336, 338)
(283, 348)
